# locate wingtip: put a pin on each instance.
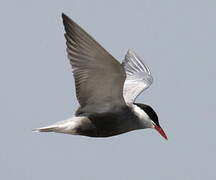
(130, 51)
(63, 15)
(66, 20)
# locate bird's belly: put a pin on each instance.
(106, 130)
(111, 124)
(110, 128)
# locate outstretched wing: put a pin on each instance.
(99, 77)
(138, 77)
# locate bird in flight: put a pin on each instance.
(106, 89)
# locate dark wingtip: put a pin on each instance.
(66, 21)
(65, 18)
(63, 15)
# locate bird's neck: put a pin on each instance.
(143, 118)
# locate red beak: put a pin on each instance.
(161, 131)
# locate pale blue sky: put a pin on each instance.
(175, 38)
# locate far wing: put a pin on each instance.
(138, 77)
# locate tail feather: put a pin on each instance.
(68, 126)
(45, 129)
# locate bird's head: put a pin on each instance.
(151, 119)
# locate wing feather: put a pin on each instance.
(138, 77)
(99, 77)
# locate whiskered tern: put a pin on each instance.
(106, 90)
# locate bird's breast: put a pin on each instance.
(113, 123)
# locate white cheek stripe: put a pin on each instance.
(140, 113)
(143, 117)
